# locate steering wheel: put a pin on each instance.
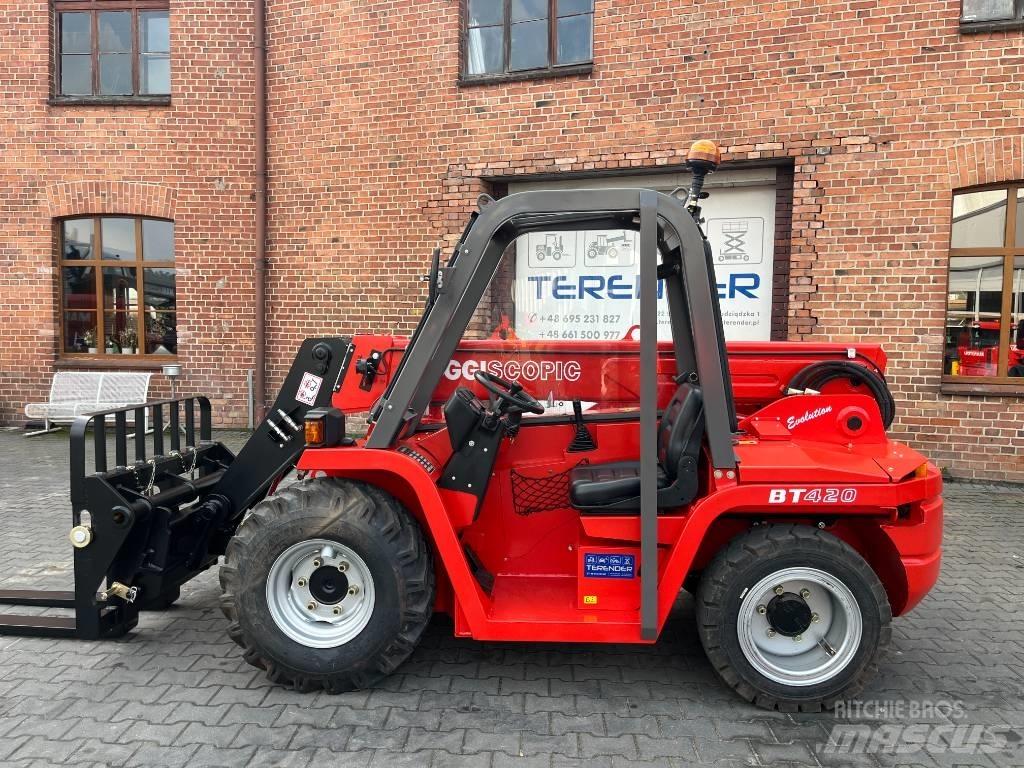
(509, 392)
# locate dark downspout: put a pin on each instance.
(260, 257)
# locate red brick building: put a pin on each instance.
(886, 138)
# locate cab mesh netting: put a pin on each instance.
(531, 495)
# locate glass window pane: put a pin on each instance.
(1015, 366)
(529, 45)
(80, 332)
(120, 329)
(76, 33)
(979, 219)
(79, 287)
(115, 74)
(161, 333)
(155, 74)
(154, 32)
(118, 238)
(567, 7)
(486, 50)
(1020, 218)
(973, 309)
(157, 240)
(120, 289)
(76, 75)
(115, 30)
(483, 12)
(524, 10)
(78, 238)
(575, 37)
(158, 288)
(987, 10)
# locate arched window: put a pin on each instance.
(117, 286)
(985, 296)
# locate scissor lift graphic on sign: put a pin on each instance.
(738, 241)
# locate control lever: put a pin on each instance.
(582, 441)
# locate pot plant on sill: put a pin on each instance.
(89, 339)
(129, 341)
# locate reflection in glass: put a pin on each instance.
(486, 50)
(115, 30)
(157, 240)
(75, 75)
(525, 10)
(574, 39)
(158, 288)
(567, 7)
(161, 333)
(1020, 218)
(118, 238)
(973, 309)
(119, 288)
(483, 12)
(979, 219)
(79, 332)
(115, 74)
(79, 285)
(78, 238)
(1016, 357)
(528, 45)
(120, 329)
(154, 32)
(75, 33)
(155, 74)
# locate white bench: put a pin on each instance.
(77, 393)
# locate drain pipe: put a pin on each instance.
(260, 257)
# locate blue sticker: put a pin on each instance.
(597, 566)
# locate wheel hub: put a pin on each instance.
(328, 585)
(789, 614)
(320, 593)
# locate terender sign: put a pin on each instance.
(584, 285)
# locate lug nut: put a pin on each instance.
(302, 582)
(815, 618)
(779, 590)
(805, 593)
(311, 606)
(353, 590)
(336, 611)
(762, 610)
(342, 566)
(798, 638)
(316, 563)
(771, 632)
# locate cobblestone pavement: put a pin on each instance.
(177, 692)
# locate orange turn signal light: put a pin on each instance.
(315, 431)
(921, 471)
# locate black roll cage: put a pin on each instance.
(667, 229)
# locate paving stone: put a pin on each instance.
(176, 690)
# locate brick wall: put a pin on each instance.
(191, 161)
(377, 155)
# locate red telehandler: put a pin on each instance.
(533, 491)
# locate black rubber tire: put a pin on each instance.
(754, 555)
(385, 536)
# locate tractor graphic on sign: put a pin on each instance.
(609, 249)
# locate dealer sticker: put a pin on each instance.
(604, 566)
(309, 388)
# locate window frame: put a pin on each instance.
(506, 75)
(139, 264)
(94, 7)
(994, 25)
(1001, 382)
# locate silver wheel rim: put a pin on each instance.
(295, 593)
(818, 654)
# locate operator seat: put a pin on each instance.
(614, 488)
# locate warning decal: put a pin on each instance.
(309, 388)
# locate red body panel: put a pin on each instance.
(878, 495)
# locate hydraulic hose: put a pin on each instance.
(817, 375)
